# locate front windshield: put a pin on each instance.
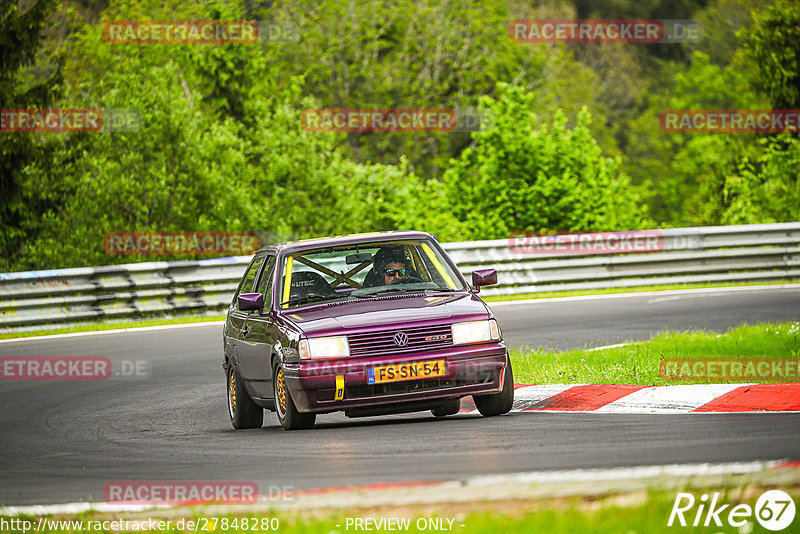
(366, 270)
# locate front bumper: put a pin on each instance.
(470, 369)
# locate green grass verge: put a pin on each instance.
(632, 513)
(113, 325)
(638, 363)
(638, 289)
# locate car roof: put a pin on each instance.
(347, 239)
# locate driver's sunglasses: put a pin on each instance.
(395, 272)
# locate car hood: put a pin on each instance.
(397, 311)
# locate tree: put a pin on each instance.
(422, 54)
(217, 149)
(531, 172)
(22, 28)
(774, 46)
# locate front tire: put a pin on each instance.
(288, 415)
(244, 413)
(498, 403)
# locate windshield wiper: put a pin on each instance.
(397, 289)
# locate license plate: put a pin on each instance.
(406, 371)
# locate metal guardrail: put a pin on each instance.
(748, 253)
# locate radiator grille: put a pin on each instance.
(383, 342)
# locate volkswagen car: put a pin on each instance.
(366, 324)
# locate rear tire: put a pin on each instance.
(288, 415)
(244, 413)
(448, 407)
(498, 403)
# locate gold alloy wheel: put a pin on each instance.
(280, 390)
(232, 394)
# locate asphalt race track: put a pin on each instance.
(63, 441)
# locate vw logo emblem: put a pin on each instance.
(401, 339)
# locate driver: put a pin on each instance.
(391, 263)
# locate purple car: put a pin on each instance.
(370, 324)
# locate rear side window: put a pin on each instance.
(246, 286)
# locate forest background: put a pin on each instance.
(570, 138)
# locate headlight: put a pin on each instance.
(475, 332)
(324, 347)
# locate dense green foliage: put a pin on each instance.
(570, 138)
(528, 172)
(24, 83)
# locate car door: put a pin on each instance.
(258, 336)
(236, 317)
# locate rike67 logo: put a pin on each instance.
(774, 510)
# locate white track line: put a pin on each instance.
(730, 289)
(614, 346)
(626, 473)
(116, 331)
(535, 477)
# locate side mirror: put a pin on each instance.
(484, 277)
(250, 301)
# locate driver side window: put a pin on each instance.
(246, 286)
(265, 282)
